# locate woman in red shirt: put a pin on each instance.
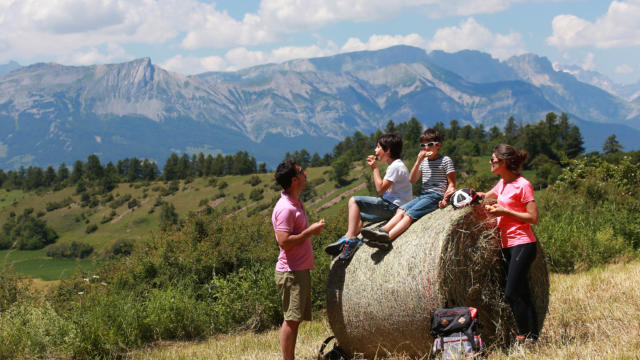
(515, 210)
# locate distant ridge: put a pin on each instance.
(50, 113)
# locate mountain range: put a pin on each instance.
(50, 113)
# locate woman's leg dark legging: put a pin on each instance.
(519, 259)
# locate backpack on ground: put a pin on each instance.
(336, 353)
(455, 333)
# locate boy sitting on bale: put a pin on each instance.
(394, 188)
(438, 183)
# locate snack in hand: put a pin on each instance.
(429, 153)
(371, 157)
(490, 207)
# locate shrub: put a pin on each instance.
(91, 228)
(253, 180)
(132, 203)
(122, 247)
(70, 250)
(256, 194)
(589, 217)
(26, 233)
(32, 329)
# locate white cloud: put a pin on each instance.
(57, 28)
(471, 35)
(194, 65)
(277, 18)
(619, 27)
(377, 42)
(114, 53)
(624, 69)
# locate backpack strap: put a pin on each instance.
(470, 334)
(325, 343)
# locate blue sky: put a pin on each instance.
(194, 36)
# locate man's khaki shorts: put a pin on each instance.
(295, 292)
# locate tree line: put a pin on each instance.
(549, 142)
(129, 170)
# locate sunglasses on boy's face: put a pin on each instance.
(429, 144)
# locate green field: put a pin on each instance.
(37, 265)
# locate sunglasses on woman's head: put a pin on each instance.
(429, 144)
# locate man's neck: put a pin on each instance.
(294, 193)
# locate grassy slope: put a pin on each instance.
(70, 222)
(592, 315)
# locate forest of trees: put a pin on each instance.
(129, 170)
(550, 143)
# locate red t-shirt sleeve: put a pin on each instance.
(527, 193)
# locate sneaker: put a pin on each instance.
(378, 234)
(349, 248)
(384, 246)
(334, 248)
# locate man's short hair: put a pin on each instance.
(430, 135)
(285, 172)
(391, 142)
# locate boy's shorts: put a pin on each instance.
(295, 292)
(422, 205)
(375, 209)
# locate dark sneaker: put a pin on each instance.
(384, 246)
(334, 248)
(349, 248)
(378, 234)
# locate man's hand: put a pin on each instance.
(316, 228)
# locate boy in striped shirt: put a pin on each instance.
(438, 184)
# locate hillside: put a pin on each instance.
(116, 221)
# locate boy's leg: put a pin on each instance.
(400, 227)
(355, 221)
(394, 220)
(414, 210)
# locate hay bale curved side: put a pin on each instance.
(381, 302)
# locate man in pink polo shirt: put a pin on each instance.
(293, 234)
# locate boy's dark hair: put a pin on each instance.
(430, 135)
(285, 172)
(391, 142)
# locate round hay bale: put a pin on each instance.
(382, 302)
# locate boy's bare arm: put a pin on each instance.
(415, 173)
(451, 178)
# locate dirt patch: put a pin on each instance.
(129, 211)
(212, 204)
(345, 194)
(324, 197)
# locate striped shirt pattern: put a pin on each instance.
(434, 174)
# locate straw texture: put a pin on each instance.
(381, 302)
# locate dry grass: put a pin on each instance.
(592, 315)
